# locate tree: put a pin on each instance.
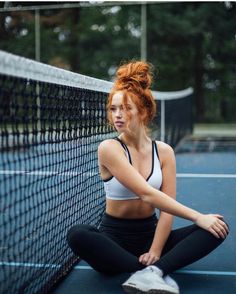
(189, 43)
(192, 42)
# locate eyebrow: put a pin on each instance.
(128, 104)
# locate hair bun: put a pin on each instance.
(137, 73)
(134, 80)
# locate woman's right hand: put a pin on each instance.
(214, 224)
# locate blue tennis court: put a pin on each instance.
(58, 62)
(51, 123)
(205, 181)
(49, 179)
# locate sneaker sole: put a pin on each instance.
(132, 290)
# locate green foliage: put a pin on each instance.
(189, 43)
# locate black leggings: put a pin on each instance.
(117, 244)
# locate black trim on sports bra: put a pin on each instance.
(107, 180)
(154, 146)
(125, 147)
(156, 150)
(153, 143)
(130, 160)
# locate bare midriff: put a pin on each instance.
(132, 209)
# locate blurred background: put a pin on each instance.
(189, 43)
(52, 121)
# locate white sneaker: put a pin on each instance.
(171, 282)
(148, 280)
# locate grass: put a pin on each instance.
(218, 130)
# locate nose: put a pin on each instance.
(118, 113)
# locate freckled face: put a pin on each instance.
(123, 117)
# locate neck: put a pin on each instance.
(137, 139)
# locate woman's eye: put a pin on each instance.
(128, 107)
(112, 109)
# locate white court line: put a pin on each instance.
(26, 264)
(189, 175)
(189, 272)
(197, 272)
(86, 267)
(48, 173)
(45, 173)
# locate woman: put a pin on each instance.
(140, 175)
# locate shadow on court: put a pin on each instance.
(206, 181)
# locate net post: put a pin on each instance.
(143, 31)
(37, 58)
(162, 120)
(37, 35)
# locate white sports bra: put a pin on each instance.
(116, 191)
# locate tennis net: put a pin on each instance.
(51, 122)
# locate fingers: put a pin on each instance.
(152, 259)
(218, 231)
(143, 258)
(218, 216)
(225, 226)
(222, 229)
(221, 219)
(148, 258)
(219, 228)
(211, 230)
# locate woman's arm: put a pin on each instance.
(111, 156)
(164, 225)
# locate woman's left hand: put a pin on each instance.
(148, 258)
(214, 224)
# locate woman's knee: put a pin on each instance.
(227, 226)
(216, 239)
(77, 236)
(221, 239)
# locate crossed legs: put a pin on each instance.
(184, 246)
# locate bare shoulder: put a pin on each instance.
(108, 147)
(164, 147)
(165, 151)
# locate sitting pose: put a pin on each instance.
(139, 175)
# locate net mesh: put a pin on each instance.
(178, 120)
(176, 108)
(49, 178)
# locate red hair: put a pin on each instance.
(134, 80)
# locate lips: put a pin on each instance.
(119, 124)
